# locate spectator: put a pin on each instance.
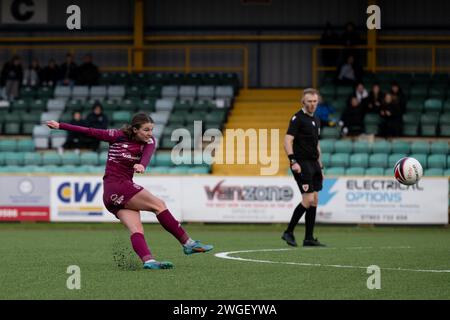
(350, 38)
(88, 73)
(96, 119)
(349, 73)
(361, 93)
(398, 96)
(353, 118)
(375, 99)
(75, 140)
(329, 37)
(325, 113)
(391, 114)
(32, 74)
(50, 74)
(68, 71)
(11, 78)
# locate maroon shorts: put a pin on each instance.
(116, 194)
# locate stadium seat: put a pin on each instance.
(163, 159)
(120, 117)
(57, 138)
(103, 157)
(340, 160)
(388, 172)
(47, 116)
(70, 158)
(378, 160)
(164, 104)
(335, 171)
(25, 145)
(439, 147)
(326, 159)
(433, 105)
(62, 92)
(359, 160)
(51, 158)
(394, 157)
(381, 146)
(98, 92)
(169, 91)
(205, 92)
(224, 92)
(153, 91)
(44, 92)
(41, 136)
(56, 105)
(198, 170)
(414, 106)
(402, 147)
(160, 117)
(434, 172)
(80, 92)
(447, 173)
(187, 92)
(14, 158)
(355, 171)
(327, 145)
(428, 124)
(343, 146)
(20, 105)
(362, 147)
(330, 133)
(32, 159)
(437, 161)
(116, 92)
(8, 145)
(374, 171)
(344, 91)
(12, 123)
(89, 158)
(420, 147)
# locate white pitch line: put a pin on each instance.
(226, 255)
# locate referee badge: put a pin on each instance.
(305, 187)
(314, 124)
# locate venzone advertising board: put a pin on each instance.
(24, 198)
(343, 200)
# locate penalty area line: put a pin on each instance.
(227, 255)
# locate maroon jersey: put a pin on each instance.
(123, 152)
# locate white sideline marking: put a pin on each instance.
(226, 255)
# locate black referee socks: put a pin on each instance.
(310, 220)
(296, 216)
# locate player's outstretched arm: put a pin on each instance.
(108, 135)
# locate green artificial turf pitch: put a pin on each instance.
(35, 258)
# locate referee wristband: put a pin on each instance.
(292, 159)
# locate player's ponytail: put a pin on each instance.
(136, 122)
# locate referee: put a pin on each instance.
(301, 144)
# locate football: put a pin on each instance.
(408, 171)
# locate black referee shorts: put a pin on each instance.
(310, 179)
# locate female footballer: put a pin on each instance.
(130, 150)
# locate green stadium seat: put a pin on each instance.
(379, 160)
(339, 104)
(428, 123)
(389, 172)
(434, 172)
(437, 161)
(421, 157)
(70, 158)
(394, 157)
(159, 170)
(344, 91)
(381, 146)
(330, 133)
(179, 170)
(355, 171)
(25, 145)
(32, 159)
(418, 90)
(133, 91)
(164, 159)
(447, 173)
(328, 90)
(153, 91)
(44, 92)
(359, 160)
(400, 147)
(14, 158)
(326, 159)
(2, 159)
(68, 168)
(335, 171)
(340, 160)
(121, 116)
(326, 145)
(97, 169)
(437, 91)
(420, 147)
(20, 105)
(444, 130)
(343, 146)
(8, 145)
(32, 168)
(414, 106)
(372, 119)
(375, 171)
(410, 130)
(27, 92)
(51, 158)
(110, 105)
(439, 147)
(103, 157)
(361, 147)
(199, 170)
(129, 104)
(89, 158)
(38, 105)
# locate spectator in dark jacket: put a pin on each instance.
(375, 99)
(75, 140)
(68, 71)
(353, 118)
(32, 74)
(391, 114)
(12, 75)
(88, 73)
(50, 74)
(96, 119)
(398, 96)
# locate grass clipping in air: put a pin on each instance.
(124, 258)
